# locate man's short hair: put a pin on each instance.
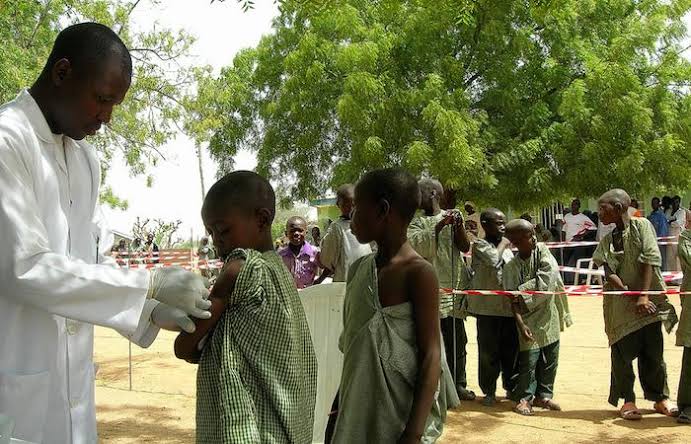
(87, 46)
(397, 186)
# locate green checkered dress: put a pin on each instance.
(257, 378)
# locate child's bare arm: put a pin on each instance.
(525, 331)
(613, 279)
(186, 344)
(424, 295)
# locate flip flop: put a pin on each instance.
(666, 408)
(630, 412)
(548, 404)
(523, 408)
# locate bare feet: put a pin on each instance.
(464, 394)
(524, 408)
(630, 412)
(548, 404)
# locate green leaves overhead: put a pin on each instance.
(514, 103)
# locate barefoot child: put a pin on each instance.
(496, 328)
(339, 247)
(257, 374)
(633, 324)
(394, 373)
(431, 235)
(684, 330)
(537, 317)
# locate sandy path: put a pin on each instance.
(161, 406)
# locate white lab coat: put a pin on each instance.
(51, 290)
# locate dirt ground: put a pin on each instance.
(160, 408)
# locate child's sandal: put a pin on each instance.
(548, 404)
(630, 412)
(665, 407)
(524, 408)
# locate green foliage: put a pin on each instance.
(511, 102)
(146, 120)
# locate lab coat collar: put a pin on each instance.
(36, 118)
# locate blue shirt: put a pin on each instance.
(659, 221)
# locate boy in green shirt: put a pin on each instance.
(684, 330)
(257, 377)
(497, 338)
(633, 324)
(431, 235)
(537, 317)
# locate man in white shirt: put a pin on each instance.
(53, 287)
(576, 224)
(677, 224)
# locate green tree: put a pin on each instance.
(512, 102)
(147, 118)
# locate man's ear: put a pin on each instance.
(62, 70)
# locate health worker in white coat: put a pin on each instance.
(52, 287)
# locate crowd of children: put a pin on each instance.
(404, 339)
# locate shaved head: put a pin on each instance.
(429, 185)
(490, 214)
(519, 226)
(616, 196)
(245, 190)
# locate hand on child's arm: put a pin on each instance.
(186, 343)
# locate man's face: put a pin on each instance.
(231, 228)
(609, 214)
(496, 225)
(676, 203)
(524, 241)
(575, 207)
(469, 209)
(316, 234)
(295, 231)
(655, 204)
(87, 95)
(345, 203)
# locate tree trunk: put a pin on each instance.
(201, 170)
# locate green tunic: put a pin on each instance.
(640, 247)
(380, 366)
(684, 327)
(487, 268)
(257, 377)
(541, 313)
(439, 251)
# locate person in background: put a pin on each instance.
(659, 220)
(497, 336)
(677, 224)
(152, 249)
(472, 222)
(300, 257)
(316, 237)
(684, 331)
(634, 210)
(339, 247)
(576, 224)
(205, 252)
(667, 206)
(431, 235)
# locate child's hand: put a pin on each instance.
(645, 306)
(527, 334)
(408, 438)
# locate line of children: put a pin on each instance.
(539, 318)
(395, 385)
(431, 234)
(631, 258)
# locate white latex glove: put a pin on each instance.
(173, 319)
(181, 289)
